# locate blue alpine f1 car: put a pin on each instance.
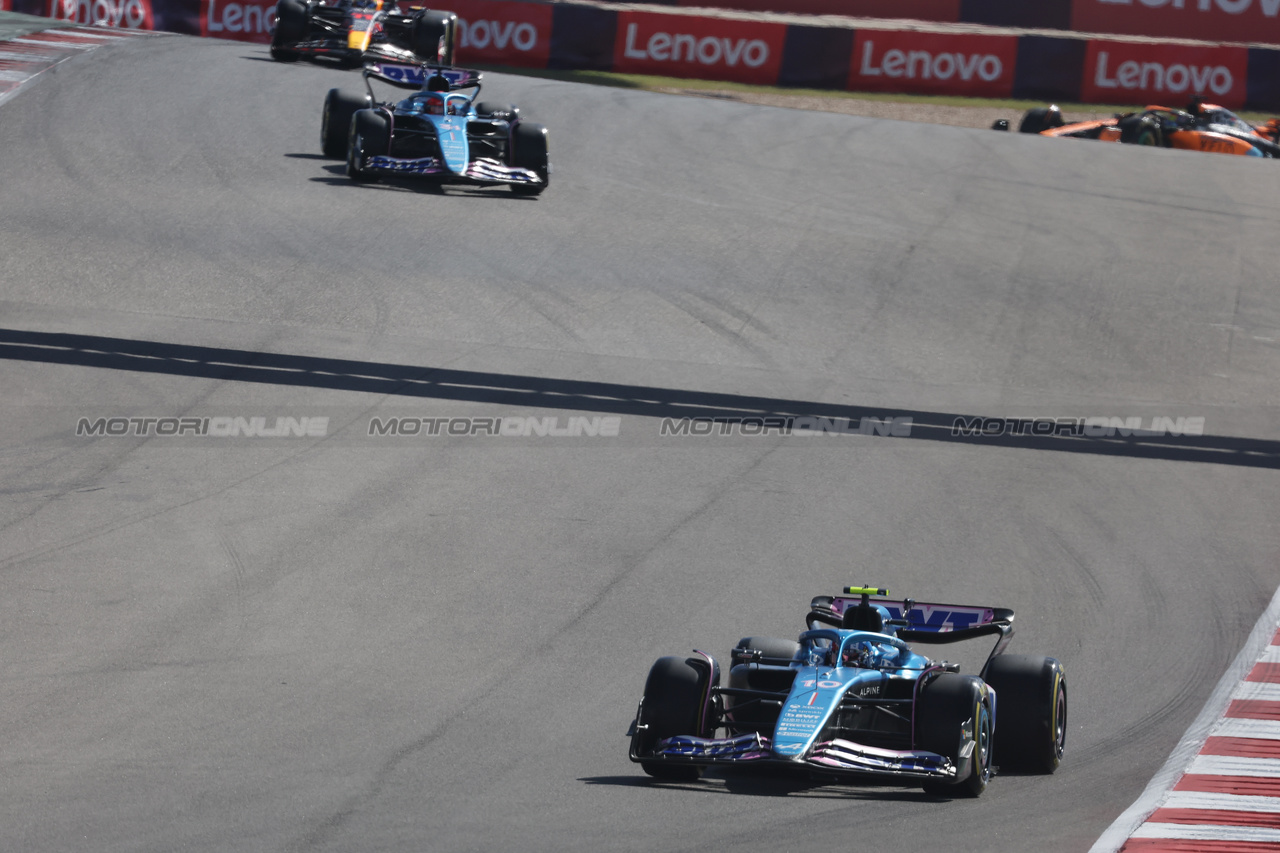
(440, 132)
(851, 699)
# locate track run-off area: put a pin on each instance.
(338, 638)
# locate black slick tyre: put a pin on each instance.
(762, 673)
(502, 112)
(1142, 130)
(291, 27)
(1031, 712)
(674, 701)
(954, 717)
(1040, 119)
(335, 123)
(529, 151)
(432, 37)
(369, 136)
(773, 650)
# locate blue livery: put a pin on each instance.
(851, 698)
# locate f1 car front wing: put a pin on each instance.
(837, 755)
(482, 170)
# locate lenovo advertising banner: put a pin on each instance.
(701, 48)
(242, 20)
(1166, 74)
(123, 14)
(945, 11)
(493, 32)
(1206, 20)
(933, 63)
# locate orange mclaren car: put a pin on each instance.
(1200, 127)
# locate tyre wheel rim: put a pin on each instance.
(1060, 719)
(983, 735)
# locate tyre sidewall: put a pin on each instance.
(1031, 709)
(945, 706)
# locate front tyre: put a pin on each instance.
(675, 703)
(1031, 708)
(954, 718)
(530, 152)
(335, 123)
(291, 26)
(370, 136)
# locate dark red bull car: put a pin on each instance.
(350, 32)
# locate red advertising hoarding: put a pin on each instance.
(502, 33)
(699, 48)
(1166, 74)
(122, 14)
(1250, 21)
(933, 63)
(946, 11)
(242, 20)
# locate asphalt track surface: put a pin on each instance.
(437, 644)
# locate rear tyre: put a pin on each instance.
(502, 112)
(1031, 712)
(1040, 119)
(1142, 130)
(752, 715)
(530, 152)
(952, 711)
(369, 136)
(674, 702)
(433, 37)
(291, 26)
(778, 651)
(335, 124)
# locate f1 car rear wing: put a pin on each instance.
(918, 621)
(412, 76)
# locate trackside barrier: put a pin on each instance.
(1240, 21)
(585, 37)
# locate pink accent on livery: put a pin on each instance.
(706, 702)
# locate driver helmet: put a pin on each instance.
(433, 105)
(858, 653)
